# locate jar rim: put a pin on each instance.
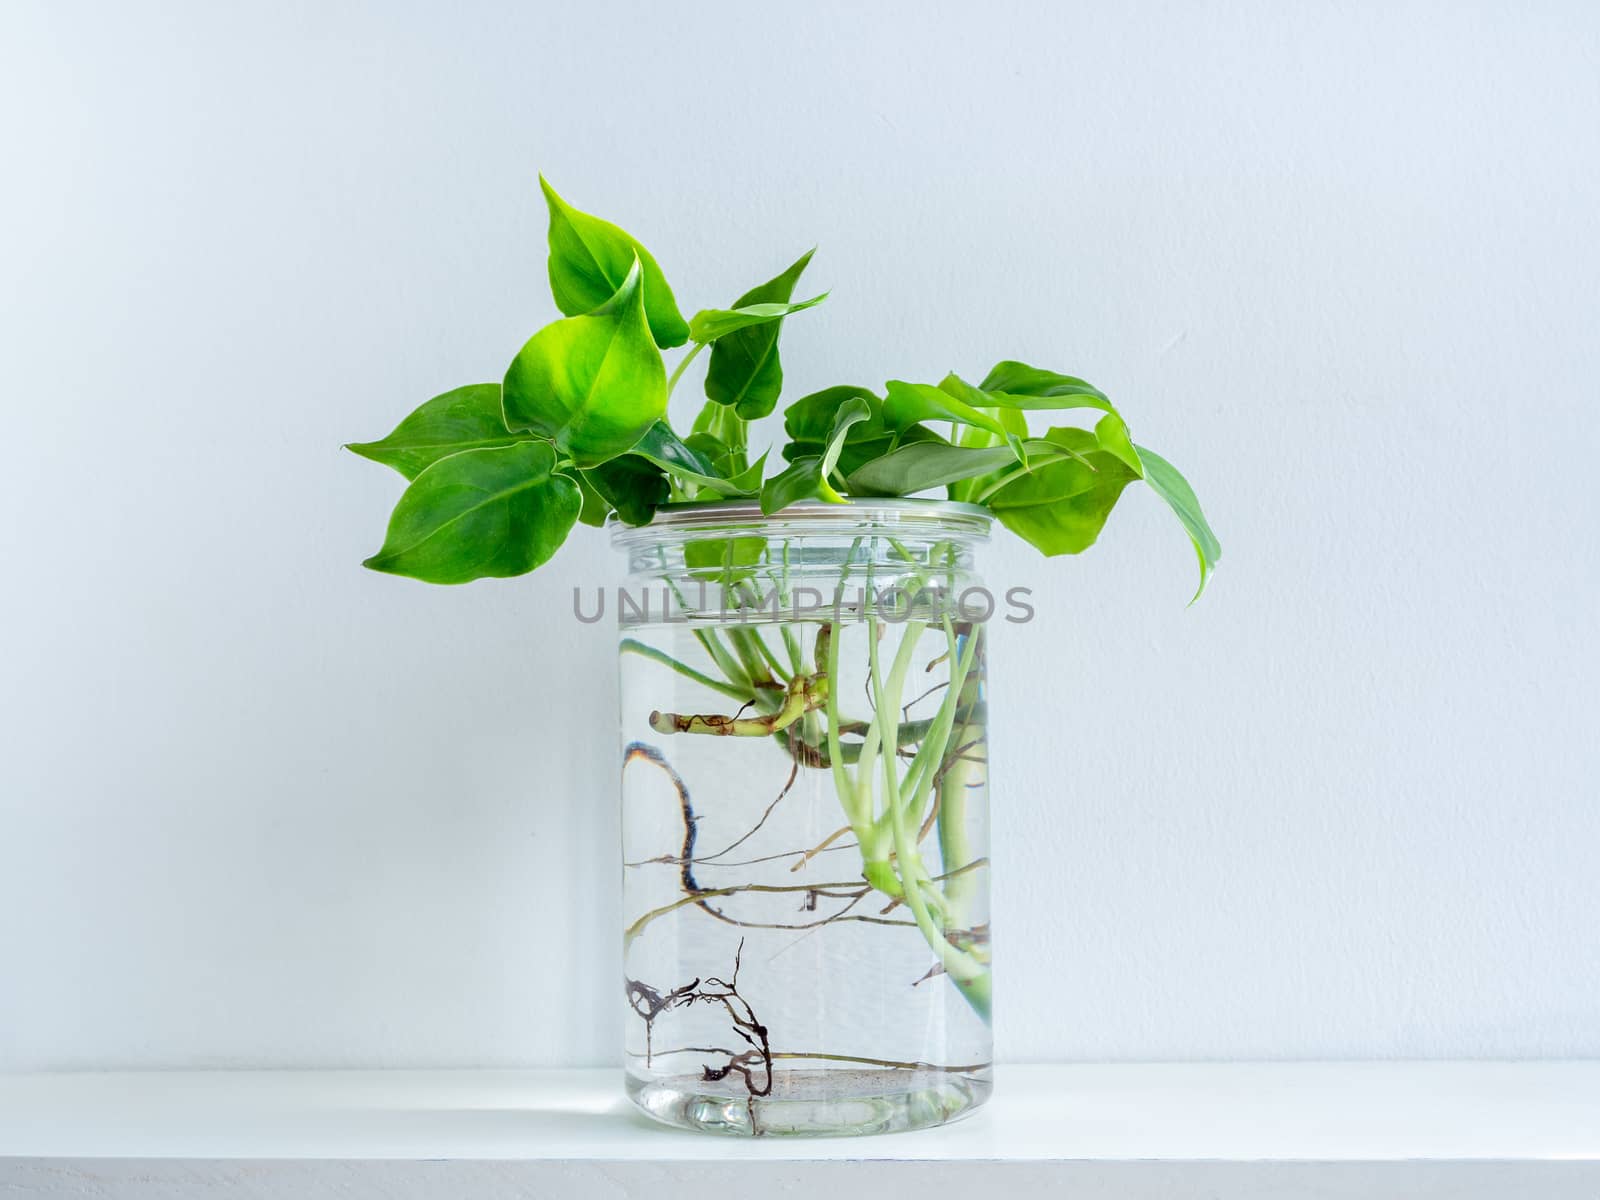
(946, 516)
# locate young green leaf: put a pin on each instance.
(709, 324)
(917, 466)
(1014, 424)
(595, 507)
(1112, 434)
(485, 513)
(664, 448)
(810, 418)
(807, 476)
(748, 481)
(728, 464)
(1065, 442)
(953, 385)
(1172, 487)
(907, 403)
(589, 259)
(921, 465)
(467, 418)
(635, 487)
(857, 453)
(593, 384)
(707, 418)
(852, 412)
(800, 480)
(1013, 421)
(731, 434)
(721, 456)
(668, 451)
(1061, 507)
(745, 372)
(1017, 385)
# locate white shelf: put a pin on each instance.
(1241, 1126)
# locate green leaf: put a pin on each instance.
(486, 513)
(745, 372)
(722, 457)
(953, 385)
(743, 483)
(1172, 487)
(1013, 424)
(634, 486)
(664, 448)
(851, 413)
(710, 413)
(810, 418)
(905, 404)
(1017, 385)
(592, 384)
(595, 508)
(1061, 507)
(921, 465)
(668, 451)
(1013, 421)
(710, 324)
(917, 466)
(1112, 434)
(727, 464)
(800, 480)
(590, 258)
(855, 453)
(807, 477)
(467, 418)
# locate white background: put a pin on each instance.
(1338, 261)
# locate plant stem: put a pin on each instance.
(968, 974)
(885, 803)
(682, 363)
(634, 646)
(708, 638)
(829, 655)
(734, 432)
(951, 802)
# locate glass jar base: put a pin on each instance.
(814, 1103)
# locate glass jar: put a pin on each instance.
(805, 816)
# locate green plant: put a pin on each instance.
(577, 429)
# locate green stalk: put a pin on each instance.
(954, 847)
(925, 763)
(969, 975)
(791, 644)
(829, 656)
(634, 646)
(734, 432)
(682, 364)
(874, 865)
(748, 592)
(750, 657)
(726, 663)
(708, 639)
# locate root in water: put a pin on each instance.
(752, 1064)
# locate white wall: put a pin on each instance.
(1338, 261)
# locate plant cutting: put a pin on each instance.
(805, 682)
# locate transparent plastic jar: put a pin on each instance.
(805, 816)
